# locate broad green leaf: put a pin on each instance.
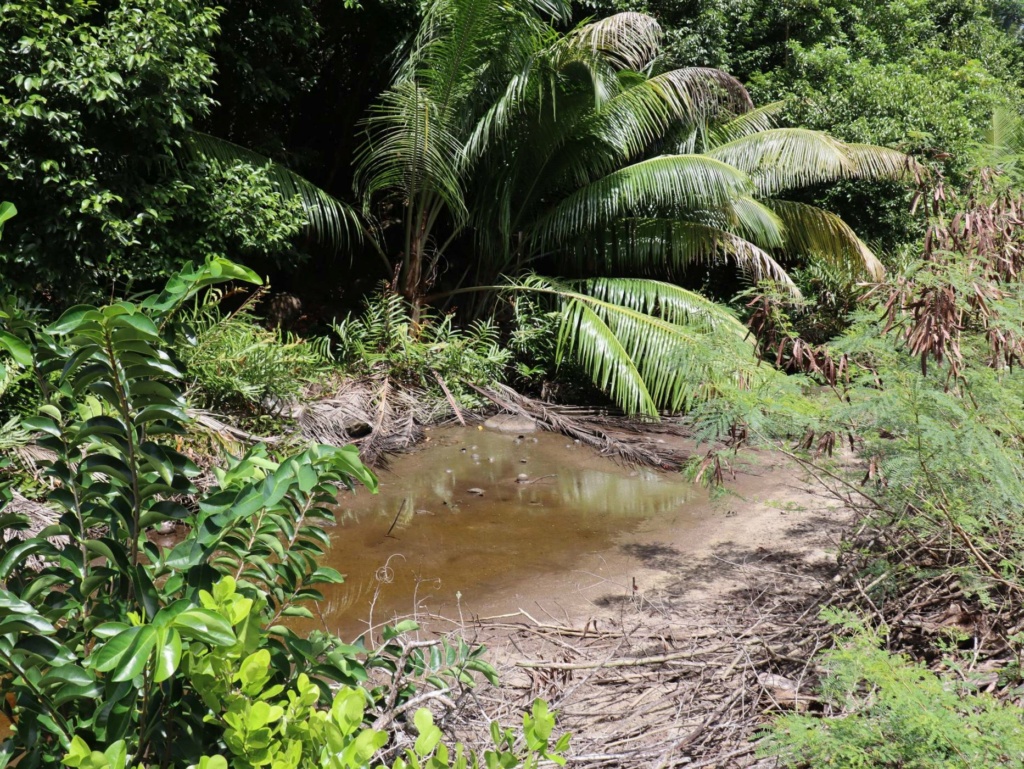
(18, 350)
(168, 654)
(204, 625)
(108, 656)
(137, 655)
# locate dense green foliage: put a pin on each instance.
(565, 144)
(433, 355)
(894, 713)
(923, 77)
(174, 655)
(97, 114)
(613, 145)
(234, 363)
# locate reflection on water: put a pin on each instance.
(462, 522)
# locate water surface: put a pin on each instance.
(467, 520)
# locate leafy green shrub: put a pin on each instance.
(245, 211)
(384, 340)
(117, 650)
(230, 360)
(889, 712)
(97, 116)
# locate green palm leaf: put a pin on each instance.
(746, 124)
(788, 158)
(648, 345)
(653, 246)
(1003, 148)
(628, 40)
(331, 222)
(813, 230)
(646, 112)
(668, 183)
(409, 151)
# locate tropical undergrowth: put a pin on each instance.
(121, 650)
(431, 354)
(232, 361)
(925, 388)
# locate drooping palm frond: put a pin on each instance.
(559, 11)
(640, 115)
(331, 222)
(883, 163)
(648, 345)
(813, 230)
(666, 183)
(782, 159)
(668, 247)
(629, 40)
(752, 122)
(542, 81)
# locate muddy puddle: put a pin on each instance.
(475, 519)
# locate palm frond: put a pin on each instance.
(648, 345)
(630, 40)
(408, 150)
(752, 122)
(813, 230)
(559, 10)
(787, 158)
(667, 184)
(495, 122)
(633, 120)
(668, 247)
(1006, 131)
(1003, 148)
(331, 222)
(752, 220)
(877, 163)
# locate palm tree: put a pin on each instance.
(528, 143)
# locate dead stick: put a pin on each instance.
(629, 663)
(398, 515)
(450, 397)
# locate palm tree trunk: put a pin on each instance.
(413, 287)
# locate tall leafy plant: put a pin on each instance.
(533, 142)
(100, 658)
(119, 650)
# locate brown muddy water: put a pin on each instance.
(473, 518)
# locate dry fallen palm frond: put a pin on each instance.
(375, 414)
(594, 429)
(39, 515)
(226, 433)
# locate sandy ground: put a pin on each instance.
(768, 522)
(666, 650)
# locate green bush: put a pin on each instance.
(232, 361)
(886, 712)
(383, 340)
(96, 112)
(119, 651)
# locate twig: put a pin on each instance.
(450, 397)
(398, 515)
(627, 663)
